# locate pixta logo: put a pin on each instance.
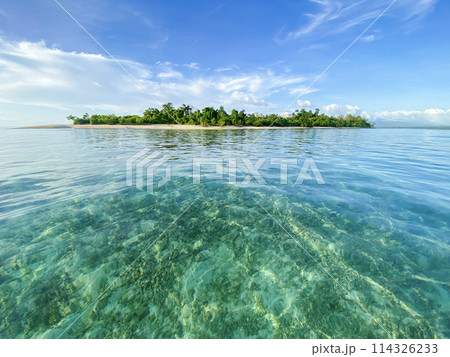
(142, 168)
(144, 164)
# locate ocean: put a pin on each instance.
(298, 233)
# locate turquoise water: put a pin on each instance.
(240, 262)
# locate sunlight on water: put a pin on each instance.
(69, 226)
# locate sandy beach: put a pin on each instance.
(175, 127)
(169, 127)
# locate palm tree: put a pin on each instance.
(187, 109)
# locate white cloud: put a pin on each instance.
(430, 116)
(339, 109)
(304, 103)
(34, 75)
(229, 68)
(329, 12)
(369, 38)
(397, 117)
(302, 90)
(40, 84)
(56, 83)
(332, 109)
(240, 97)
(366, 115)
(334, 17)
(192, 65)
(170, 74)
(420, 8)
(352, 109)
(240, 90)
(33, 103)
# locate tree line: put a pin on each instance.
(209, 116)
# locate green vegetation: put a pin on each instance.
(209, 116)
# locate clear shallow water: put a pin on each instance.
(69, 226)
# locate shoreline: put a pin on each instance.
(173, 127)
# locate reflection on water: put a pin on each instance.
(69, 226)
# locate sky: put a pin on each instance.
(254, 55)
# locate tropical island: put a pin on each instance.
(208, 116)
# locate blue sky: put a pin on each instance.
(252, 55)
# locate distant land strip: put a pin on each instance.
(210, 117)
(173, 127)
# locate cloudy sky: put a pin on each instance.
(253, 55)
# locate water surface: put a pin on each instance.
(241, 262)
